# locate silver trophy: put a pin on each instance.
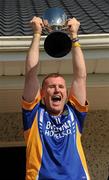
(57, 43)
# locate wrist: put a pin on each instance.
(73, 35)
(37, 34)
(75, 42)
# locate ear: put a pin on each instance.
(67, 92)
(42, 93)
(42, 96)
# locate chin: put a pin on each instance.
(56, 111)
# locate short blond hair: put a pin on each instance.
(51, 75)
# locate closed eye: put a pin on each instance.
(61, 86)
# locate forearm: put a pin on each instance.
(77, 54)
(32, 58)
(79, 68)
(78, 88)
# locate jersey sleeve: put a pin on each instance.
(29, 111)
(79, 110)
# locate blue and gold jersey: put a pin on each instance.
(54, 150)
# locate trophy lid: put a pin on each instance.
(55, 17)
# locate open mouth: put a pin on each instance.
(56, 98)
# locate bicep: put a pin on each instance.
(31, 87)
(78, 89)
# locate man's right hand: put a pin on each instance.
(37, 24)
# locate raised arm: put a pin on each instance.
(78, 88)
(31, 80)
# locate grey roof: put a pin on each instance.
(16, 14)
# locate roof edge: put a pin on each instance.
(89, 41)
